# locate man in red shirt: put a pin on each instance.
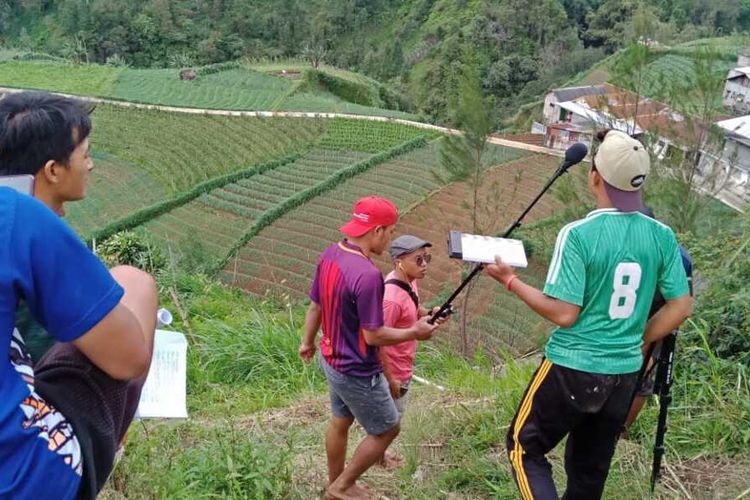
(347, 303)
(401, 309)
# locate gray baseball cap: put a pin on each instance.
(406, 244)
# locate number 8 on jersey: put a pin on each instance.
(626, 283)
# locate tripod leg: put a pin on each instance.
(662, 387)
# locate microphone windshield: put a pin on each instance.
(575, 154)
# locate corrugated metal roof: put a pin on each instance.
(568, 126)
(743, 71)
(571, 93)
(601, 119)
(739, 126)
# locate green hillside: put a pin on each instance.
(520, 48)
(231, 86)
(230, 212)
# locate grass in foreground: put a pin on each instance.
(258, 415)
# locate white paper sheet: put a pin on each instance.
(164, 394)
(477, 248)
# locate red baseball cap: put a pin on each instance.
(369, 212)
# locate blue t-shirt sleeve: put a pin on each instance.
(672, 282)
(67, 288)
(687, 262)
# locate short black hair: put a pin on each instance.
(36, 127)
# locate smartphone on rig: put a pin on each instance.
(21, 183)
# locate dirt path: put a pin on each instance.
(294, 114)
(696, 477)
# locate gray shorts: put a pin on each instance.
(367, 399)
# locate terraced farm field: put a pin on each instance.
(672, 69)
(495, 317)
(505, 191)
(182, 150)
(146, 157)
(239, 88)
(251, 197)
(324, 102)
(210, 225)
(235, 88)
(116, 188)
(293, 242)
(368, 136)
(88, 79)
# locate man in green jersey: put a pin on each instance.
(602, 278)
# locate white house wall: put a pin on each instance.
(551, 111)
(734, 89)
(737, 157)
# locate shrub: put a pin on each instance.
(357, 93)
(132, 249)
(217, 68)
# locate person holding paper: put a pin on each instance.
(599, 288)
(347, 302)
(401, 309)
(62, 416)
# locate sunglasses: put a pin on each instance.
(423, 259)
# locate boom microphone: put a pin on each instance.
(574, 155)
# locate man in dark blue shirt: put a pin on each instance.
(646, 387)
(62, 418)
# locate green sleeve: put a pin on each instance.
(672, 282)
(566, 278)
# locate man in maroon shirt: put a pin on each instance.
(347, 302)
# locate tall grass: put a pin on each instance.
(238, 345)
(710, 412)
(190, 462)
(243, 361)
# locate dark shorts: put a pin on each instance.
(367, 399)
(99, 408)
(588, 408)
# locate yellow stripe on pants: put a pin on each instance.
(516, 456)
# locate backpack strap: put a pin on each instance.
(405, 287)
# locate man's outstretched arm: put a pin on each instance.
(557, 311)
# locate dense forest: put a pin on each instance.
(521, 48)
